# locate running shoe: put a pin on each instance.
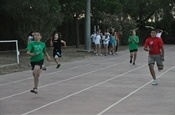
(130, 61)
(154, 82)
(44, 68)
(34, 90)
(58, 66)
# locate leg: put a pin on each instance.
(57, 54)
(94, 46)
(116, 48)
(131, 56)
(159, 62)
(106, 49)
(36, 74)
(56, 60)
(160, 67)
(96, 49)
(99, 46)
(151, 68)
(151, 61)
(135, 56)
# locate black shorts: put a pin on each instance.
(57, 53)
(135, 50)
(40, 63)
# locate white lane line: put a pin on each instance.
(135, 91)
(82, 90)
(41, 75)
(62, 80)
(54, 72)
(68, 69)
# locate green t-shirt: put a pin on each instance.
(133, 42)
(38, 48)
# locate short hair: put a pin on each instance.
(153, 30)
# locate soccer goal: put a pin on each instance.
(9, 52)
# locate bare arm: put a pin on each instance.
(47, 55)
(62, 41)
(146, 49)
(162, 53)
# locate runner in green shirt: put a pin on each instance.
(133, 41)
(36, 50)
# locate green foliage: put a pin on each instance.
(20, 17)
(34, 15)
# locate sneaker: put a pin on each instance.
(44, 68)
(34, 90)
(130, 61)
(133, 63)
(58, 66)
(154, 82)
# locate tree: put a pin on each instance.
(73, 11)
(32, 15)
(103, 8)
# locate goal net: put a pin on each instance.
(9, 53)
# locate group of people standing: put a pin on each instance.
(108, 40)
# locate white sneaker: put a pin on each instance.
(154, 82)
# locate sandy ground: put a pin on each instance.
(69, 54)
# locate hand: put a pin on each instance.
(146, 49)
(33, 54)
(163, 59)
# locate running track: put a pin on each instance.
(99, 85)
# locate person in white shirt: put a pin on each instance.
(98, 43)
(93, 36)
(106, 39)
(159, 33)
(30, 37)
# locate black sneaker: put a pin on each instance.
(44, 68)
(58, 66)
(34, 90)
(133, 63)
(130, 61)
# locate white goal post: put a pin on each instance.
(17, 50)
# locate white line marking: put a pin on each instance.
(53, 72)
(82, 90)
(132, 93)
(41, 75)
(61, 81)
(66, 69)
